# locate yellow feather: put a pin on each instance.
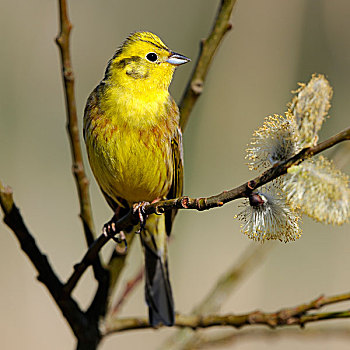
(130, 120)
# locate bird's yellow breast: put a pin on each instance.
(129, 144)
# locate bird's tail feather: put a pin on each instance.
(158, 292)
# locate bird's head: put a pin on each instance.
(143, 60)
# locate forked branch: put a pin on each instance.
(46, 275)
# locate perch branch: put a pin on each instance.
(205, 203)
(285, 317)
(207, 51)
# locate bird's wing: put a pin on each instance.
(177, 184)
(93, 111)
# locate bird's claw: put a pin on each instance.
(140, 209)
(109, 230)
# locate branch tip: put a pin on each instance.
(319, 301)
(6, 199)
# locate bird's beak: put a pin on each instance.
(176, 59)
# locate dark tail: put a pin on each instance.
(158, 293)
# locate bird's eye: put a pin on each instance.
(152, 56)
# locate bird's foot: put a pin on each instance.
(110, 230)
(140, 209)
(157, 210)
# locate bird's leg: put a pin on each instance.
(110, 230)
(139, 208)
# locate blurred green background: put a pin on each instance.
(273, 45)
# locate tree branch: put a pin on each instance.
(93, 251)
(132, 218)
(46, 275)
(98, 305)
(207, 51)
(285, 317)
(224, 338)
(63, 41)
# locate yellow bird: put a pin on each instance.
(134, 145)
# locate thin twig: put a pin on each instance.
(207, 52)
(209, 341)
(221, 291)
(285, 317)
(63, 41)
(129, 287)
(248, 260)
(340, 155)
